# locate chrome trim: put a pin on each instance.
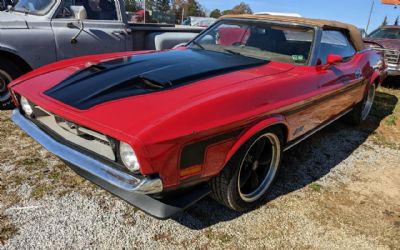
(75, 133)
(317, 130)
(96, 168)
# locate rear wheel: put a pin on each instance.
(8, 72)
(361, 111)
(250, 173)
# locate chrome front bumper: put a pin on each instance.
(97, 169)
(132, 189)
(393, 69)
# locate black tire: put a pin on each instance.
(227, 188)
(361, 111)
(8, 72)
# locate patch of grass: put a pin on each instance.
(380, 140)
(315, 187)
(391, 120)
(218, 236)
(56, 176)
(40, 191)
(30, 161)
(7, 229)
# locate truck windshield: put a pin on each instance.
(260, 40)
(386, 34)
(35, 7)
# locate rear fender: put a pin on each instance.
(256, 128)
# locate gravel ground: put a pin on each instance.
(339, 189)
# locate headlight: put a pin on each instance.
(26, 106)
(128, 157)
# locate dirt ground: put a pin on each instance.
(340, 189)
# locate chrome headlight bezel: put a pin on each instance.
(128, 157)
(26, 106)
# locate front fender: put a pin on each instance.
(256, 128)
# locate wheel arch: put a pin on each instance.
(376, 79)
(274, 121)
(25, 67)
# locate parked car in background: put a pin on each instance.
(387, 40)
(163, 129)
(199, 21)
(39, 32)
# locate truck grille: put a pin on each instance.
(74, 133)
(391, 56)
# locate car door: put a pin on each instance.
(340, 84)
(103, 29)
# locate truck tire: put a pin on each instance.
(361, 111)
(8, 72)
(249, 175)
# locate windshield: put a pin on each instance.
(260, 40)
(35, 7)
(386, 34)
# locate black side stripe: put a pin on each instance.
(323, 99)
(193, 154)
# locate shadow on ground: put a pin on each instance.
(309, 161)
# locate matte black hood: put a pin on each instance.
(142, 74)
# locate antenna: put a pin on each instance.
(370, 15)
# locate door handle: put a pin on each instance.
(71, 25)
(118, 32)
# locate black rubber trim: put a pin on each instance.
(193, 154)
(157, 208)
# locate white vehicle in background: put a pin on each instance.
(199, 21)
(278, 14)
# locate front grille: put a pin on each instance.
(75, 134)
(391, 56)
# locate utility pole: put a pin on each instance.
(144, 8)
(370, 15)
(183, 14)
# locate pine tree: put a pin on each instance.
(194, 8)
(242, 8)
(163, 6)
(216, 13)
(150, 5)
(131, 5)
(384, 23)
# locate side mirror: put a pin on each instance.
(333, 59)
(79, 12)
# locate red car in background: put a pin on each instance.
(163, 129)
(387, 40)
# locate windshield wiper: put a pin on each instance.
(198, 45)
(233, 52)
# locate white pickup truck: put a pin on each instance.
(38, 32)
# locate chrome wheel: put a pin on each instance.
(259, 167)
(5, 79)
(367, 103)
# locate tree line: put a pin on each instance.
(183, 8)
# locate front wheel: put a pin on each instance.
(8, 72)
(361, 111)
(249, 175)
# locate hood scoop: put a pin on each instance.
(143, 74)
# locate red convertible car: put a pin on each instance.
(161, 130)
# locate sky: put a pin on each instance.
(351, 11)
